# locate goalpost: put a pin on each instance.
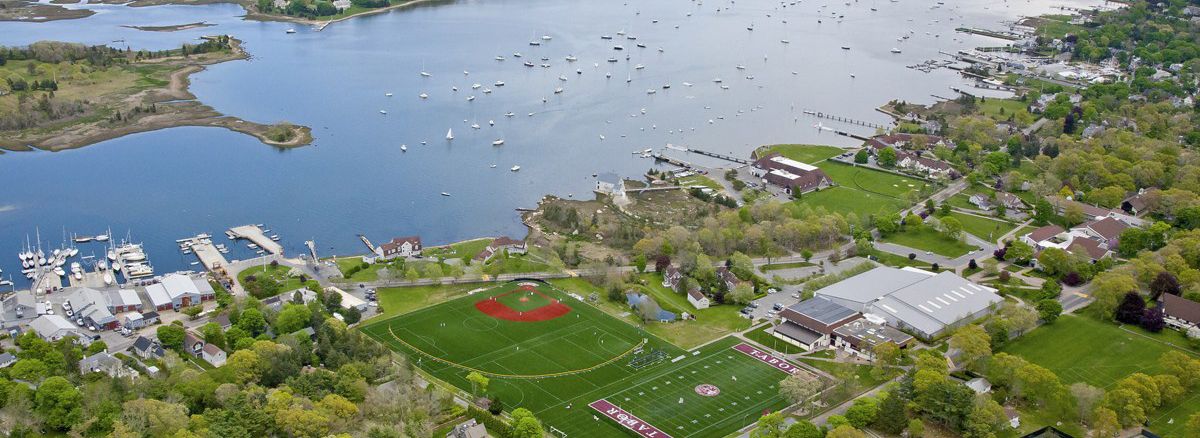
(555, 431)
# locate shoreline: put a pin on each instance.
(322, 24)
(178, 108)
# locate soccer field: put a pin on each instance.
(556, 355)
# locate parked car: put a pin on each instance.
(777, 307)
(796, 296)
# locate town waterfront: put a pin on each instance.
(165, 185)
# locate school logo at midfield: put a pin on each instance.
(708, 390)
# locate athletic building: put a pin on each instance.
(920, 302)
(810, 324)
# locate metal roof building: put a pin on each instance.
(922, 302)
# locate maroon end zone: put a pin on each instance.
(767, 358)
(627, 420)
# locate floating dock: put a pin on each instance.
(202, 246)
(255, 235)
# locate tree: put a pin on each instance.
(170, 336)
(213, 335)
(952, 227)
(253, 322)
(1182, 366)
(479, 383)
(863, 412)
(916, 428)
(150, 417)
(891, 417)
(798, 388)
(1128, 405)
(742, 294)
(887, 157)
(525, 425)
(1105, 424)
(1192, 428)
(1164, 283)
(1087, 398)
(769, 426)
(293, 317)
(640, 263)
(1049, 310)
(860, 157)
(986, 418)
(58, 403)
(803, 429)
(1054, 261)
(1131, 309)
(1018, 252)
(1152, 320)
(846, 430)
(1108, 289)
(972, 342)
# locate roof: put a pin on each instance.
(821, 310)
(414, 241)
(785, 161)
(123, 297)
(7, 357)
(142, 343)
(348, 300)
(795, 331)
(936, 302)
(507, 241)
(1088, 247)
(865, 335)
(91, 304)
(158, 295)
(49, 324)
(149, 315)
(1182, 308)
(1045, 232)
(871, 285)
(211, 349)
(1108, 228)
(1090, 210)
(98, 361)
(696, 295)
(609, 178)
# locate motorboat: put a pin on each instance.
(290, 31)
(498, 142)
(423, 96)
(618, 47)
(499, 83)
(515, 168)
(639, 67)
(605, 37)
(499, 58)
(571, 58)
(895, 50)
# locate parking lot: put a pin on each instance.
(765, 308)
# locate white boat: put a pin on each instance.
(498, 142)
(605, 37)
(499, 58)
(639, 67)
(403, 148)
(740, 67)
(487, 91)
(535, 43)
(423, 96)
(387, 94)
(546, 38)
(515, 169)
(571, 58)
(425, 74)
(516, 54)
(499, 83)
(474, 126)
(470, 98)
(650, 91)
(445, 194)
(475, 86)
(108, 279)
(384, 112)
(785, 41)
(82, 239)
(491, 123)
(450, 134)
(102, 238)
(60, 272)
(895, 50)
(290, 31)
(562, 78)
(558, 90)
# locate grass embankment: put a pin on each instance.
(859, 190)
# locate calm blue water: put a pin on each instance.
(170, 184)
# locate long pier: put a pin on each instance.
(721, 156)
(842, 119)
(208, 254)
(367, 242)
(990, 33)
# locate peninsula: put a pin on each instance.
(60, 96)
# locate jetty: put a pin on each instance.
(255, 235)
(848, 120)
(1004, 35)
(720, 156)
(202, 246)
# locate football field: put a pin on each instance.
(548, 351)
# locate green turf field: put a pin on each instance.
(557, 367)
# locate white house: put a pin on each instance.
(698, 300)
(348, 300)
(213, 355)
(407, 246)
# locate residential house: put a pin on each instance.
(147, 348)
(177, 290)
(671, 277)
(1138, 204)
(213, 355)
(930, 167)
(348, 300)
(223, 321)
(103, 362)
(980, 385)
(133, 321)
(698, 299)
(500, 245)
(342, 5)
(408, 246)
(468, 429)
(19, 305)
(193, 343)
(809, 324)
(727, 278)
(1181, 313)
(859, 337)
(54, 327)
(1107, 231)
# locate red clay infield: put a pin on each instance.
(496, 309)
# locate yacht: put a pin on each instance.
(475, 86)
(387, 94)
(895, 50)
(528, 64)
(290, 31)
(425, 74)
(546, 38)
(535, 43)
(470, 98)
(515, 169)
(605, 37)
(445, 194)
(640, 45)
(639, 67)
(102, 238)
(509, 114)
(558, 90)
(571, 58)
(499, 58)
(516, 54)
(498, 142)
(82, 239)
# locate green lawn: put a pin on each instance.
(1002, 109)
(700, 180)
(873, 181)
(556, 367)
(793, 265)
(277, 274)
(982, 227)
(1099, 353)
(894, 260)
(927, 239)
(845, 200)
(804, 153)
(864, 191)
(457, 250)
(400, 300)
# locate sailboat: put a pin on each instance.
(403, 148)
(423, 72)
(450, 134)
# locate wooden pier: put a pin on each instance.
(255, 235)
(848, 120)
(721, 156)
(367, 242)
(990, 33)
(209, 256)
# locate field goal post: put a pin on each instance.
(554, 430)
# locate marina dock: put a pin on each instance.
(209, 256)
(848, 120)
(720, 156)
(255, 235)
